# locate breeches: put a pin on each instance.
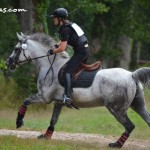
(73, 64)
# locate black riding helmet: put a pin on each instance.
(60, 13)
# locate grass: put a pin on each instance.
(14, 143)
(95, 120)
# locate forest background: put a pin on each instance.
(118, 32)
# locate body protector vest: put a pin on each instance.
(74, 35)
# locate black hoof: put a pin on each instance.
(19, 123)
(42, 136)
(115, 145)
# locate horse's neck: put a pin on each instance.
(43, 64)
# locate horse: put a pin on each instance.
(115, 88)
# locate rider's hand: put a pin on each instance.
(56, 45)
(50, 52)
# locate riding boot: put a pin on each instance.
(68, 90)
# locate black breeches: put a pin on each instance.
(73, 64)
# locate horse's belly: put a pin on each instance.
(84, 98)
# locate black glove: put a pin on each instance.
(50, 52)
(56, 45)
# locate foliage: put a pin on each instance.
(25, 78)
(7, 38)
(2, 65)
(41, 9)
(105, 20)
(9, 94)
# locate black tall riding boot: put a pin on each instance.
(68, 90)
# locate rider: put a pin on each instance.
(70, 33)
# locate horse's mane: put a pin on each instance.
(47, 41)
(43, 39)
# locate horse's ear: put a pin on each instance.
(22, 34)
(20, 37)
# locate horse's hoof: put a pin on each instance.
(19, 123)
(42, 136)
(115, 145)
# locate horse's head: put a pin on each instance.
(20, 52)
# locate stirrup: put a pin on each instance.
(67, 101)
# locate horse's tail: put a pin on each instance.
(142, 75)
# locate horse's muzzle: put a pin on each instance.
(10, 63)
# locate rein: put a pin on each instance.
(50, 68)
(27, 60)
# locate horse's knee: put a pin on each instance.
(26, 102)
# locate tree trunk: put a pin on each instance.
(135, 54)
(26, 18)
(125, 44)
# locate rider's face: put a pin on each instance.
(55, 20)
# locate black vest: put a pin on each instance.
(73, 38)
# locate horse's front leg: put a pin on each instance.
(37, 98)
(56, 112)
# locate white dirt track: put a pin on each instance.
(80, 137)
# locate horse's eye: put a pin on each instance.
(17, 49)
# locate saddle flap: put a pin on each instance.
(85, 67)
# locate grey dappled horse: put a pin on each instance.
(116, 89)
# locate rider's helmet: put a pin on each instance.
(60, 13)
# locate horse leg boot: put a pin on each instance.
(21, 114)
(68, 90)
(49, 132)
(128, 129)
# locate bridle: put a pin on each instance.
(13, 61)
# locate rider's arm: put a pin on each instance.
(64, 35)
(61, 48)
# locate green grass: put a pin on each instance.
(14, 143)
(95, 120)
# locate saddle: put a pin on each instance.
(88, 68)
(83, 77)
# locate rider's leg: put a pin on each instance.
(68, 90)
(70, 67)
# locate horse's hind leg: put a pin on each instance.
(122, 117)
(138, 105)
(56, 112)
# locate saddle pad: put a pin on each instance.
(85, 79)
